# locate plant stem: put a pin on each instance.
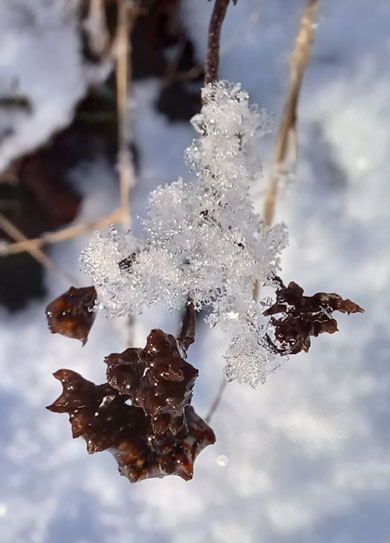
(13, 232)
(127, 14)
(286, 142)
(216, 21)
(211, 75)
(217, 400)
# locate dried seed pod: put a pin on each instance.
(102, 417)
(302, 317)
(72, 314)
(156, 378)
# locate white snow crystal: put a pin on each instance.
(202, 241)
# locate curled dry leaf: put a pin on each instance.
(303, 316)
(156, 378)
(72, 314)
(104, 419)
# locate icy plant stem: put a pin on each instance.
(212, 61)
(286, 141)
(13, 232)
(211, 74)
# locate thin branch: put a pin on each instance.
(96, 27)
(13, 232)
(211, 74)
(212, 61)
(50, 238)
(217, 400)
(127, 15)
(286, 142)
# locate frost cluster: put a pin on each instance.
(201, 241)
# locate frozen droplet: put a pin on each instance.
(222, 460)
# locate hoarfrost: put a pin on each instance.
(202, 241)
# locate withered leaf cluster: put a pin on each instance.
(72, 314)
(300, 317)
(142, 415)
(155, 378)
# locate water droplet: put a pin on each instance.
(222, 460)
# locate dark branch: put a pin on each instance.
(217, 399)
(212, 61)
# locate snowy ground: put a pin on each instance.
(308, 451)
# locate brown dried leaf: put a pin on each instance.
(102, 417)
(303, 316)
(156, 378)
(72, 314)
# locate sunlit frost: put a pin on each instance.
(202, 241)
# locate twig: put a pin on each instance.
(127, 15)
(49, 238)
(96, 27)
(217, 400)
(286, 140)
(213, 45)
(194, 72)
(13, 232)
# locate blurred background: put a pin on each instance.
(303, 458)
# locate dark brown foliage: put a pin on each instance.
(103, 418)
(156, 378)
(303, 316)
(72, 314)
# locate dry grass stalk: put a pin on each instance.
(13, 232)
(96, 26)
(211, 74)
(286, 144)
(127, 14)
(50, 238)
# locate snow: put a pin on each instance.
(308, 451)
(202, 240)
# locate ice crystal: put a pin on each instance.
(201, 241)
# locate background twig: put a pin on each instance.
(50, 238)
(127, 15)
(217, 400)
(13, 232)
(286, 143)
